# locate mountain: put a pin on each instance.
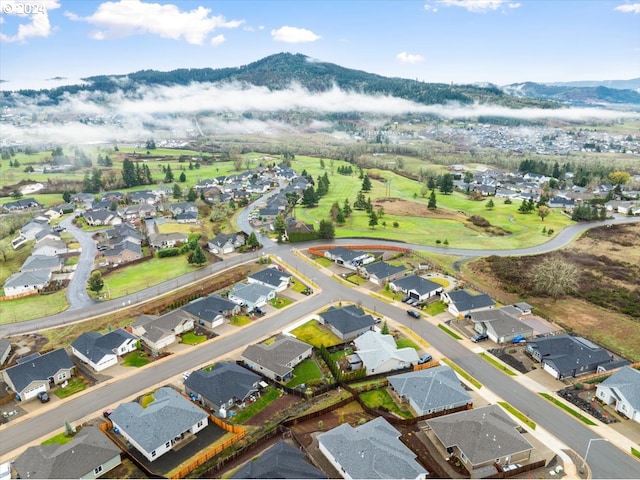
(280, 71)
(631, 84)
(574, 95)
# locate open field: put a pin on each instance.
(608, 260)
(35, 306)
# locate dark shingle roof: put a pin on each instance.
(223, 382)
(566, 353)
(276, 355)
(210, 307)
(95, 346)
(347, 319)
(417, 283)
(384, 269)
(270, 276)
(280, 461)
(38, 368)
(464, 300)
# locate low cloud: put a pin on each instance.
(411, 58)
(134, 17)
(288, 34)
(36, 11)
(135, 115)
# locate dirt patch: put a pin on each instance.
(586, 401)
(515, 356)
(283, 403)
(406, 208)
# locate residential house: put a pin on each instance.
(211, 310)
(223, 386)
(279, 461)
(566, 356)
(29, 231)
(501, 325)
(347, 322)
(349, 258)
(271, 277)
(167, 240)
(226, 243)
(158, 332)
(41, 262)
(372, 450)
(112, 197)
(122, 232)
(379, 353)
(416, 287)
(177, 208)
(23, 282)
(21, 204)
(622, 390)
(481, 438)
(49, 247)
(5, 350)
(101, 351)
(561, 202)
(298, 226)
(141, 211)
(431, 390)
(123, 252)
(143, 197)
(462, 302)
(165, 423)
(101, 217)
(38, 373)
(277, 359)
(381, 273)
(187, 217)
(524, 308)
(251, 295)
(83, 200)
(90, 454)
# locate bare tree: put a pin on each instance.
(554, 276)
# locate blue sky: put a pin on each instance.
(459, 41)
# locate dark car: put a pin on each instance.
(259, 311)
(413, 313)
(406, 299)
(43, 397)
(480, 337)
(107, 413)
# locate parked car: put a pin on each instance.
(425, 358)
(406, 299)
(43, 397)
(413, 313)
(480, 337)
(259, 311)
(307, 291)
(513, 466)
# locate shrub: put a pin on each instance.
(479, 221)
(168, 252)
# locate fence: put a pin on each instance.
(518, 471)
(19, 295)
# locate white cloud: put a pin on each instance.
(430, 8)
(628, 8)
(217, 40)
(294, 35)
(411, 58)
(37, 11)
(134, 17)
(479, 6)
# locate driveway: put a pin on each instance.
(77, 289)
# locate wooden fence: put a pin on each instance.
(518, 471)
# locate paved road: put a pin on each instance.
(77, 289)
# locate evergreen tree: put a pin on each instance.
(361, 202)
(346, 208)
(177, 191)
(490, 205)
(252, 241)
(446, 184)
(373, 219)
(192, 195)
(197, 257)
(309, 197)
(168, 175)
(279, 225)
(129, 173)
(96, 283)
(66, 196)
(326, 229)
(366, 183)
(432, 201)
(183, 177)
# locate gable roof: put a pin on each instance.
(250, 292)
(417, 283)
(347, 319)
(38, 368)
(625, 383)
(483, 434)
(119, 248)
(271, 276)
(276, 355)
(89, 449)
(21, 279)
(374, 349)
(565, 352)
(208, 308)
(224, 381)
(384, 269)
(432, 388)
(166, 417)
(501, 322)
(372, 450)
(279, 461)
(345, 254)
(96, 346)
(41, 262)
(463, 300)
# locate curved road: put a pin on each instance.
(77, 289)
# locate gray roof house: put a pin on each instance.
(278, 359)
(416, 287)
(102, 351)
(169, 420)
(38, 373)
(279, 461)
(347, 322)
(481, 437)
(211, 311)
(381, 273)
(5, 350)
(500, 324)
(251, 295)
(372, 450)
(49, 246)
(223, 386)
(349, 258)
(90, 454)
(167, 240)
(379, 353)
(158, 332)
(41, 262)
(462, 302)
(23, 282)
(271, 277)
(431, 390)
(567, 356)
(226, 243)
(622, 390)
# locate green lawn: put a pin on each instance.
(305, 371)
(435, 308)
(191, 338)
(32, 307)
(497, 364)
(322, 261)
(266, 399)
(635, 453)
(280, 302)
(59, 439)
(239, 320)
(298, 285)
(407, 342)
(568, 409)
(75, 385)
(381, 398)
(135, 359)
(313, 334)
(518, 414)
(449, 332)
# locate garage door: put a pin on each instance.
(32, 393)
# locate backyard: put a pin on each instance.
(315, 334)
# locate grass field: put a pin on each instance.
(305, 371)
(435, 308)
(313, 334)
(59, 439)
(267, 398)
(280, 302)
(381, 398)
(35, 306)
(239, 320)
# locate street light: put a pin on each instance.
(589, 446)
